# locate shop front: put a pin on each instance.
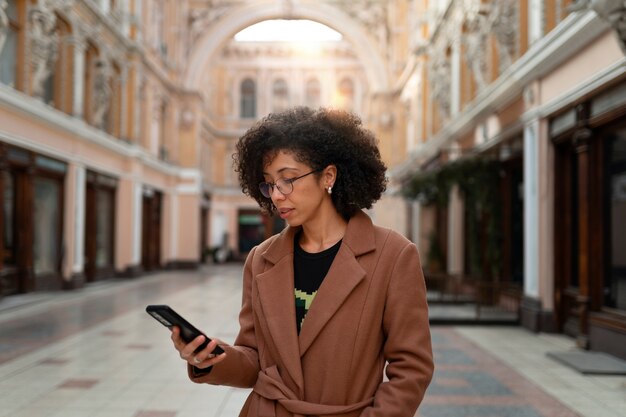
(590, 221)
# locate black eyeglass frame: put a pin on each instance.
(267, 188)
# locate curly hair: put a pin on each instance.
(317, 138)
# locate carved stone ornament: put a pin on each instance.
(372, 14)
(101, 97)
(439, 77)
(612, 11)
(504, 23)
(200, 19)
(44, 45)
(4, 23)
(475, 41)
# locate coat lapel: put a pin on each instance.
(276, 294)
(344, 275)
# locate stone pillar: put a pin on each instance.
(455, 83)
(137, 221)
(531, 304)
(128, 225)
(73, 270)
(535, 21)
(124, 103)
(78, 104)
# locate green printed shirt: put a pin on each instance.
(309, 272)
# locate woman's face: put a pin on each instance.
(308, 194)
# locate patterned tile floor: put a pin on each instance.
(96, 353)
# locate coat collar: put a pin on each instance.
(359, 238)
(276, 290)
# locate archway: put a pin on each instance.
(246, 15)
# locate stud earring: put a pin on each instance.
(330, 189)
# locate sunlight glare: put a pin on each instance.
(288, 31)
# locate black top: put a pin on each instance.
(309, 270)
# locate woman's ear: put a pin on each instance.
(329, 176)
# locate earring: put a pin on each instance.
(330, 189)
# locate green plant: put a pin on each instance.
(478, 180)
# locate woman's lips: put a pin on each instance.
(284, 212)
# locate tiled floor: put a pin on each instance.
(95, 353)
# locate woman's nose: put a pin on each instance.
(275, 193)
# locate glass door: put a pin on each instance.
(47, 227)
(9, 280)
(614, 291)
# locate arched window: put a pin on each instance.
(280, 95)
(247, 101)
(346, 94)
(313, 93)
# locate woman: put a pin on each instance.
(332, 299)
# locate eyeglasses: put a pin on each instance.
(284, 185)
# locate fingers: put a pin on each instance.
(206, 357)
(202, 359)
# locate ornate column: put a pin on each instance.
(124, 116)
(78, 105)
(535, 21)
(140, 101)
(455, 82)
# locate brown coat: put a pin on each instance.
(369, 311)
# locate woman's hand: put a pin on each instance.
(202, 359)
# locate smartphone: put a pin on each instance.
(166, 315)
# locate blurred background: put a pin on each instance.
(502, 124)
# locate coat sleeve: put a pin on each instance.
(240, 367)
(407, 347)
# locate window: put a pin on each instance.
(615, 282)
(346, 94)
(313, 93)
(47, 225)
(280, 95)
(248, 99)
(10, 41)
(9, 217)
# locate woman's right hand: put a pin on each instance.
(202, 359)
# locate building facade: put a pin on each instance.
(98, 142)
(501, 123)
(516, 157)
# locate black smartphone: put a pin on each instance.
(166, 315)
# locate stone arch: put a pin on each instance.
(243, 16)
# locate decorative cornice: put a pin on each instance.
(613, 12)
(35, 109)
(547, 53)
